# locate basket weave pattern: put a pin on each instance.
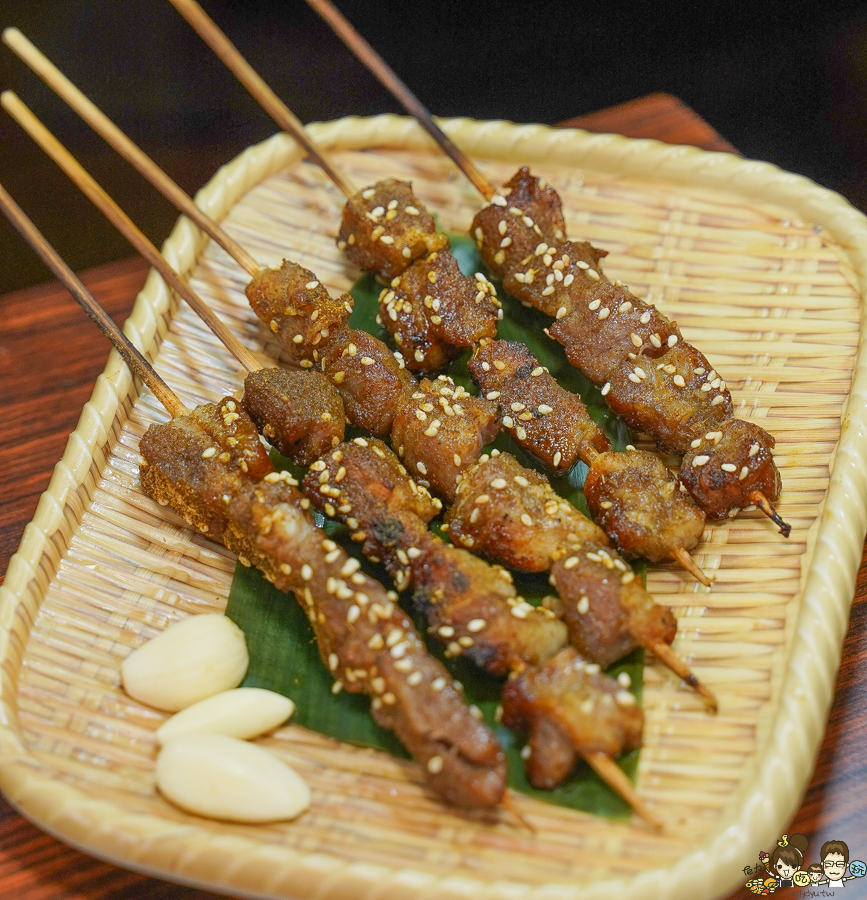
(775, 304)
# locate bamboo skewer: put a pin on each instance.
(103, 126)
(131, 355)
(83, 180)
(390, 80)
(386, 75)
(208, 31)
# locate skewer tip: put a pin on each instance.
(767, 508)
(608, 770)
(681, 556)
(668, 657)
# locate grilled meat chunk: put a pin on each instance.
(640, 505)
(511, 515)
(211, 471)
(441, 431)
(297, 308)
(372, 382)
(385, 227)
(546, 420)
(607, 610)
(569, 708)
(300, 413)
(722, 468)
(468, 605)
(433, 312)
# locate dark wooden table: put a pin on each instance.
(49, 358)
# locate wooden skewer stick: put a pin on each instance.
(132, 356)
(668, 657)
(680, 556)
(208, 31)
(386, 75)
(608, 770)
(103, 126)
(25, 118)
(767, 508)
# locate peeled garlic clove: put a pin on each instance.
(241, 713)
(223, 778)
(192, 659)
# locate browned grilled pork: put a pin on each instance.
(607, 610)
(433, 312)
(652, 378)
(385, 227)
(545, 419)
(300, 413)
(511, 515)
(470, 606)
(641, 506)
(565, 705)
(211, 468)
(442, 431)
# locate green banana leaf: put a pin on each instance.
(283, 652)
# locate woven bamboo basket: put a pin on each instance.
(763, 270)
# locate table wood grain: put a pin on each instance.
(50, 356)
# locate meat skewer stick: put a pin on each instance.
(570, 708)
(385, 229)
(209, 465)
(719, 484)
(300, 413)
(377, 391)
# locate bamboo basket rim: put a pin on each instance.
(781, 772)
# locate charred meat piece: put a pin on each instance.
(385, 227)
(674, 398)
(511, 515)
(364, 638)
(641, 506)
(567, 704)
(300, 413)
(441, 431)
(607, 610)
(545, 419)
(468, 605)
(433, 312)
(297, 308)
(362, 482)
(372, 382)
(722, 468)
(609, 327)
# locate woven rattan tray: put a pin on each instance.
(763, 270)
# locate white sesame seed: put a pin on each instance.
(636, 340)
(557, 457)
(306, 572)
(211, 451)
(476, 625)
(606, 389)
(571, 562)
(584, 605)
(678, 380)
(311, 285)
(672, 340)
(526, 519)
(696, 443)
(754, 450)
(519, 479)
(744, 472)
(624, 698)
(720, 398)
(700, 460)
(604, 313)
(729, 467)
(498, 483)
(594, 305)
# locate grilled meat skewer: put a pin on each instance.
(569, 708)
(511, 515)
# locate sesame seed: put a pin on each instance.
(627, 577)
(636, 340)
(519, 479)
(744, 472)
(696, 443)
(568, 280)
(306, 572)
(476, 625)
(499, 365)
(594, 305)
(624, 679)
(754, 450)
(720, 398)
(557, 457)
(537, 372)
(571, 562)
(376, 642)
(415, 678)
(435, 765)
(672, 340)
(584, 605)
(211, 451)
(457, 460)
(353, 614)
(465, 641)
(482, 499)
(634, 378)
(606, 389)
(700, 460)
(527, 520)
(492, 395)
(561, 311)
(624, 698)
(729, 467)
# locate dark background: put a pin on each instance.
(784, 82)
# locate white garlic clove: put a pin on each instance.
(192, 659)
(220, 777)
(241, 713)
